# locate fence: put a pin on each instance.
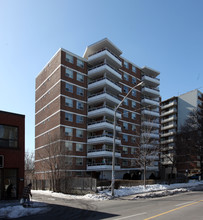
(74, 185)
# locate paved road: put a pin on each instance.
(187, 206)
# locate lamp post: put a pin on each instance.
(114, 138)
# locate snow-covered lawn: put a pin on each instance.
(12, 210)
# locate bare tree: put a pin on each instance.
(190, 138)
(29, 165)
(148, 145)
(54, 161)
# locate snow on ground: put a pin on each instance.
(14, 210)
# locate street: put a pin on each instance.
(185, 206)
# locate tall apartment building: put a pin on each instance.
(174, 113)
(75, 101)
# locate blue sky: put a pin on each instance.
(166, 35)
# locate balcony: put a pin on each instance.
(173, 118)
(171, 140)
(100, 139)
(104, 68)
(102, 153)
(152, 92)
(168, 134)
(99, 56)
(148, 102)
(101, 111)
(150, 135)
(151, 113)
(104, 82)
(101, 166)
(169, 126)
(103, 96)
(102, 125)
(150, 124)
(151, 81)
(171, 104)
(150, 72)
(172, 111)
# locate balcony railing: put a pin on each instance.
(105, 48)
(99, 150)
(100, 93)
(99, 79)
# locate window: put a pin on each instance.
(79, 173)
(79, 161)
(134, 69)
(133, 139)
(125, 102)
(133, 163)
(68, 131)
(125, 76)
(125, 138)
(133, 93)
(69, 87)
(124, 163)
(133, 104)
(80, 91)
(125, 113)
(125, 150)
(125, 89)
(80, 63)
(69, 117)
(69, 161)
(79, 119)
(69, 73)
(79, 147)
(133, 116)
(69, 102)
(79, 105)
(80, 77)
(133, 128)
(69, 58)
(125, 125)
(8, 136)
(125, 64)
(134, 80)
(79, 133)
(133, 150)
(69, 146)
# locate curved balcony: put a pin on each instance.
(148, 101)
(101, 166)
(102, 125)
(152, 92)
(101, 97)
(100, 139)
(104, 82)
(105, 54)
(104, 68)
(101, 111)
(151, 113)
(150, 81)
(102, 153)
(150, 124)
(150, 135)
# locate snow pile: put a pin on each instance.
(18, 211)
(11, 211)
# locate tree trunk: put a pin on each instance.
(144, 174)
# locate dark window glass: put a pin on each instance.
(8, 136)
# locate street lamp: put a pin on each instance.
(114, 138)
